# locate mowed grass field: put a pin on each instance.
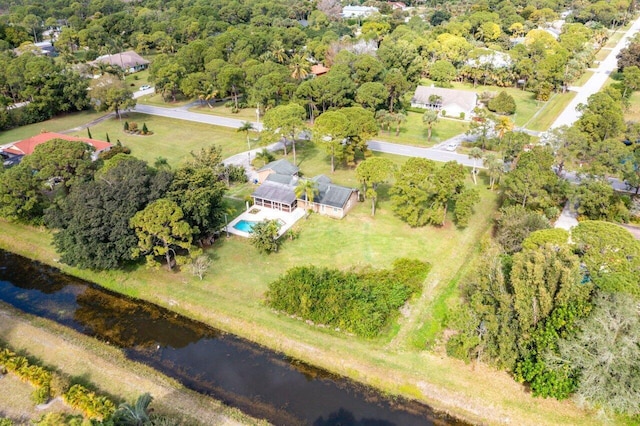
(171, 139)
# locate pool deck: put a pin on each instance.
(264, 213)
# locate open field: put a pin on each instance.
(171, 139)
(105, 367)
(57, 124)
(414, 132)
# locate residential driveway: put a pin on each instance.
(568, 217)
(595, 83)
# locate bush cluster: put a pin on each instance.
(360, 302)
(28, 372)
(91, 404)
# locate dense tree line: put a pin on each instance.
(105, 214)
(360, 302)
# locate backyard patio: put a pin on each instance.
(242, 224)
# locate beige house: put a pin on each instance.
(453, 101)
(277, 191)
(129, 61)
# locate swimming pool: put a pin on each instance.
(247, 225)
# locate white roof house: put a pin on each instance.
(358, 11)
(453, 101)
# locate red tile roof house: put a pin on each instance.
(16, 150)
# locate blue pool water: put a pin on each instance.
(245, 225)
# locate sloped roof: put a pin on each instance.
(333, 195)
(282, 167)
(319, 69)
(321, 179)
(283, 179)
(275, 191)
(462, 98)
(128, 59)
(27, 146)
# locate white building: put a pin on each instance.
(358, 11)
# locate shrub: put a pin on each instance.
(115, 150)
(502, 104)
(462, 115)
(444, 113)
(145, 130)
(133, 126)
(360, 302)
(126, 126)
(236, 173)
(39, 377)
(93, 406)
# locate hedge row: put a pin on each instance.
(48, 384)
(360, 302)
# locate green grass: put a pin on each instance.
(602, 54)
(583, 79)
(551, 110)
(633, 112)
(57, 124)
(135, 80)
(414, 132)
(246, 114)
(171, 139)
(157, 100)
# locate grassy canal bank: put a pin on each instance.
(230, 298)
(88, 360)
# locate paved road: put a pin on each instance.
(181, 114)
(597, 80)
(414, 151)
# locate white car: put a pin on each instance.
(145, 87)
(451, 147)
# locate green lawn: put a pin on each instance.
(57, 124)
(414, 132)
(602, 54)
(172, 139)
(551, 110)
(247, 114)
(135, 80)
(583, 78)
(157, 100)
(633, 112)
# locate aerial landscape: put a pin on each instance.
(327, 212)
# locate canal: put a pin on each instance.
(260, 382)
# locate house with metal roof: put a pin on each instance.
(277, 191)
(453, 101)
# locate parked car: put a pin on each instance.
(145, 87)
(451, 146)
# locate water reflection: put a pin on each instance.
(258, 381)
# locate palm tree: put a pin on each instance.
(265, 156)
(475, 154)
(495, 168)
(383, 117)
(399, 118)
(246, 127)
(136, 415)
(429, 118)
(503, 125)
(299, 67)
(306, 190)
(277, 51)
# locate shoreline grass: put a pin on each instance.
(107, 368)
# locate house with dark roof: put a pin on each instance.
(278, 185)
(280, 167)
(13, 152)
(453, 101)
(129, 61)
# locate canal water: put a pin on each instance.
(260, 382)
